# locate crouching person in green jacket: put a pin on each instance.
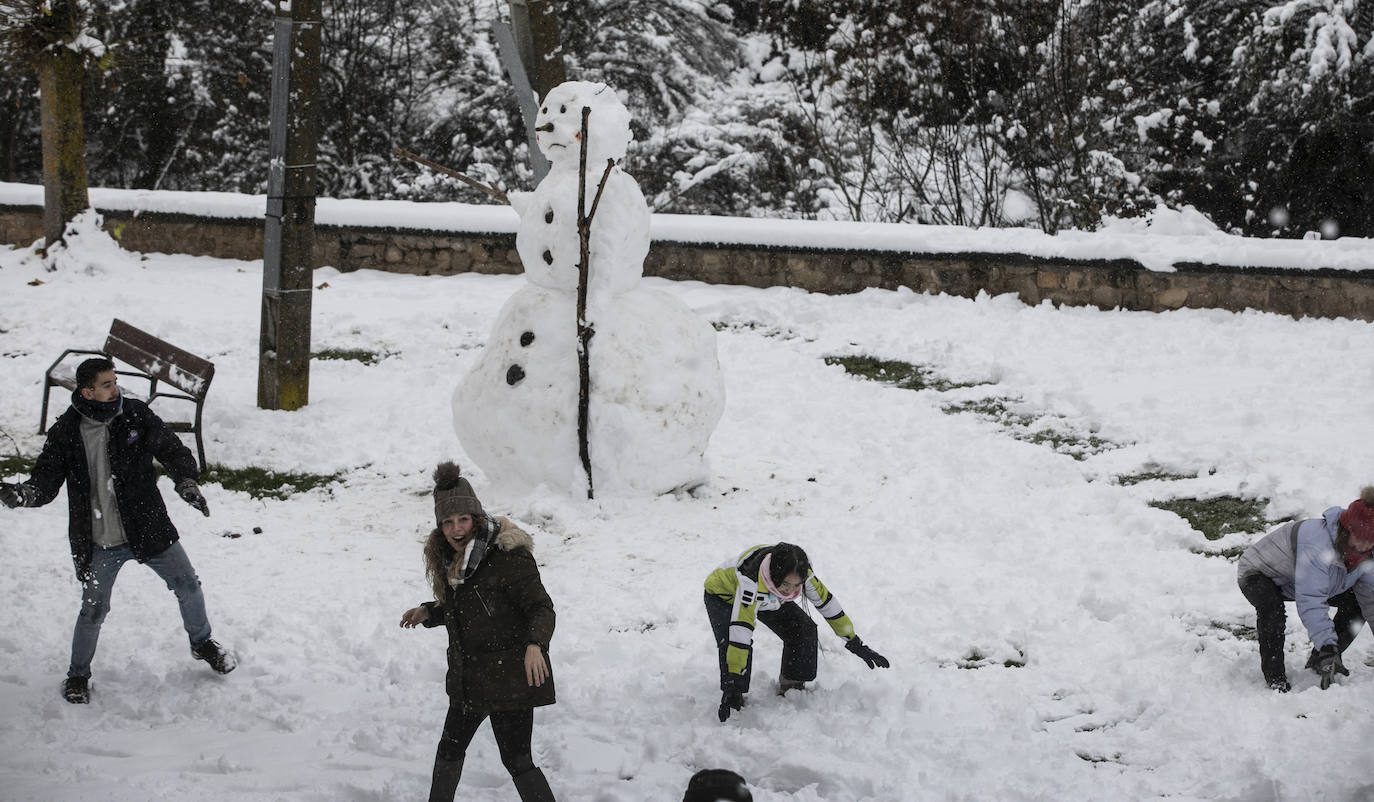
(763, 585)
(500, 620)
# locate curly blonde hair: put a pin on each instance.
(437, 553)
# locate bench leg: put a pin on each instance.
(200, 443)
(43, 414)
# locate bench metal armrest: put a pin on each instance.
(47, 374)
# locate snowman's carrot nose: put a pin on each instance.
(545, 127)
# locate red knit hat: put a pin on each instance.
(1358, 518)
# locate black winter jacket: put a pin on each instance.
(499, 609)
(137, 435)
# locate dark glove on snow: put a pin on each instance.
(1329, 664)
(866, 654)
(12, 495)
(190, 494)
(730, 700)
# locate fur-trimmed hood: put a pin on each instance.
(509, 537)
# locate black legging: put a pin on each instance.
(512, 728)
(789, 622)
(1270, 618)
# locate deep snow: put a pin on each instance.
(945, 538)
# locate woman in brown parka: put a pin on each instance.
(500, 621)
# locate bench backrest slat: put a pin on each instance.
(181, 369)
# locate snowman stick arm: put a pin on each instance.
(584, 329)
(451, 173)
(605, 176)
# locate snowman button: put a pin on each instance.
(548, 258)
(514, 374)
(548, 215)
(526, 338)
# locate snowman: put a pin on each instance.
(656, 387)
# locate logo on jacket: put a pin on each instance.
(133, 435)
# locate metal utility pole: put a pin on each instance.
(289, 232)
(532, 53)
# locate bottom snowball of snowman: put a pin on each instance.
(656, 395)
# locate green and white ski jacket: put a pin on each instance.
(739, 583)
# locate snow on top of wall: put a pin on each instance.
(1158, 241)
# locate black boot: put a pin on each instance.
(444, 784)
(76, 690)
(533, 787)
(219, 658)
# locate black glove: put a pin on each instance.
(730, 700)
(866, 654)
(12, 495)
(190, 494)
(1329, 664)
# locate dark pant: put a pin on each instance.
(1270, 620)
(513, 730)
(789, 622)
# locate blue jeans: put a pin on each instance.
(175, 569)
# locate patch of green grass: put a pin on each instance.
(1115, 757)
(16, 465)
(753, 326)
(1231, 554)
(1240, 631)
(262, 483)
(976, 659)
(898, 374)
(1149, 474)
(351, 354)
(1055, 432)
(1219, 516)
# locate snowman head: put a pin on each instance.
(558, 127)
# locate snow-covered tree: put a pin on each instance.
(1302, 158)
(51, 37)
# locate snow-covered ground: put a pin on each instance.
(959, 551)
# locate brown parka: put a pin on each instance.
(500, 608)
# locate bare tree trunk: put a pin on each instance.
(60, 73)
(546, 70)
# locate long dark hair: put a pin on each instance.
(787, 559)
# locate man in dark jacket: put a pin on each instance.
(103, 447)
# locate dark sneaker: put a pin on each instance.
(1281, 685)
(785, 685)
(77, 690)
(220, 660)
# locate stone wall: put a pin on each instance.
(1105, 284)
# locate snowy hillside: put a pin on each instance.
(1052, 635)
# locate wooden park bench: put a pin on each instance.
(146, 357)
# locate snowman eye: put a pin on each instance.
(544, 110)
(562, 109)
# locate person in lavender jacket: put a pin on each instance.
(1317, 563)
